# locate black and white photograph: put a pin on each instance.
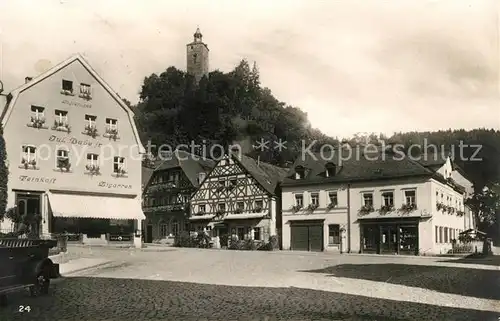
(249, 160)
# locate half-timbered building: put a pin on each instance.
(166, 195)
(239, 198)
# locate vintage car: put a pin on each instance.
(25, 263)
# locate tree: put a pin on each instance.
(4, 175)
(485, 205)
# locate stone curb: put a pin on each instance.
(86, 268)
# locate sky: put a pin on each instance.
(353, 66)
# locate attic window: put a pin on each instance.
(201, 177)
(300, 172)
(67, 87)
(330, 170)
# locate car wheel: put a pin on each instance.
(41, 284)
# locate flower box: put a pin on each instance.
(365, 209)
(63, 164)
(67, 92)
(385, 209)
(111, 133)
(238, 211)
(460, 213)
(312, 207)
(28, 164)
(90, 131)
(407, 208)
(37, 122)
(121, 172)
(93, 169)
(61, 126)
(258, 209)
(219, 213)
(331, 205)
(85, 95)
(296, 208)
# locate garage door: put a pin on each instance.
(307, 237)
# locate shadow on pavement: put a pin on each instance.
(468, 282)
(85, 299)
(488, 260)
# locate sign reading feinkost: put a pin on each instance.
(46, 180)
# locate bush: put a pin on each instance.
(184, 239)
(275, 244)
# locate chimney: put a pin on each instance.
(28, 79)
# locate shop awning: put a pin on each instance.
(86, 206)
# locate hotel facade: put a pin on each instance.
(74, 156)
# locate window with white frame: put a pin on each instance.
(92, 159)
(240, 206)
(28, 154)
(221, 207)
(368, 199)
(299, 200)
(259, 205)
(388, 198)
(37, 113)
(410, 197)
(202, 208)
(315, 199)
(85, 90)
(62, 154)
(90, 121)
(118, 164)
(111, 125)
(61, 117)
(333, 198)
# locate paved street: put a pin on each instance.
(192, 284)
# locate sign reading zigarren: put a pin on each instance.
(114, 185)
(46, 180)
(74, 141)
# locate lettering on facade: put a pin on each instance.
(46, 180)
(114, 185)
(77, 104)
(74, 141)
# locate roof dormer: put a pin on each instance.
(300, 172)
(330, 169)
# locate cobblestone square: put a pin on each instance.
(190, 284)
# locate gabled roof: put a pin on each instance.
(266, 174)
(433, 159)
(363, 167)
(77, 57)
(189, 163)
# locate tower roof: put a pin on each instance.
(197, 34)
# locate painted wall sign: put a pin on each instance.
(114, 185)
(77, 104)
(46, 180)
(74, 141)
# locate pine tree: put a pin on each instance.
(4, 175)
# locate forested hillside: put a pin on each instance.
(234, 107)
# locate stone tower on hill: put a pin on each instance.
(197, 57)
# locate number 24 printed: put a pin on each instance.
(24, 308)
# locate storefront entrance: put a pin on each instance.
(29, 210)
(389, 237)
